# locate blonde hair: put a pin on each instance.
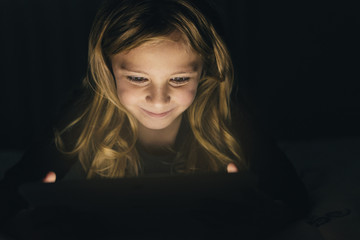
(107, 132)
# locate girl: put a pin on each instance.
(156, 68)
(156, 100)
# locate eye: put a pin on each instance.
(137, 80)
(179, 80)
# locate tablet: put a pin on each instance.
(187, 201)
(236, 192)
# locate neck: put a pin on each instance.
(159, 140)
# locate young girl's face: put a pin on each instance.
(157, 81)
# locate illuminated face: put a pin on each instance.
(157, 81)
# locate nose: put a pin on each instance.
(158, 95)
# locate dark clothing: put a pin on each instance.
(277, 177)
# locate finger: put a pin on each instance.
(231, 168)
(50, 178)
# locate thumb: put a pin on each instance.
(49, 178)
(231, 168)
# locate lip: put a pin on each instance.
(156, 115)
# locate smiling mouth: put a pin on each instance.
(156, 115)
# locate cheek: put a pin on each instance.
(186, 97)
(126, 95)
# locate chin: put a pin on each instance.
(154, 127)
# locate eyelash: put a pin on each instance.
(176, 80)
(136, 79)
(180, 80)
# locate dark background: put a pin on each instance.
(296, 64)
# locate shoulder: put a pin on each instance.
(41, 154)
(277, 177)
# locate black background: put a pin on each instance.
(297, 63)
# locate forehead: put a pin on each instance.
(166, 52)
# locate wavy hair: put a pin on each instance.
(107, 132)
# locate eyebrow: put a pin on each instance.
(128, 67)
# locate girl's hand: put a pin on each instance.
(231, 168)
(49, 178)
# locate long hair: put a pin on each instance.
(107, 132)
